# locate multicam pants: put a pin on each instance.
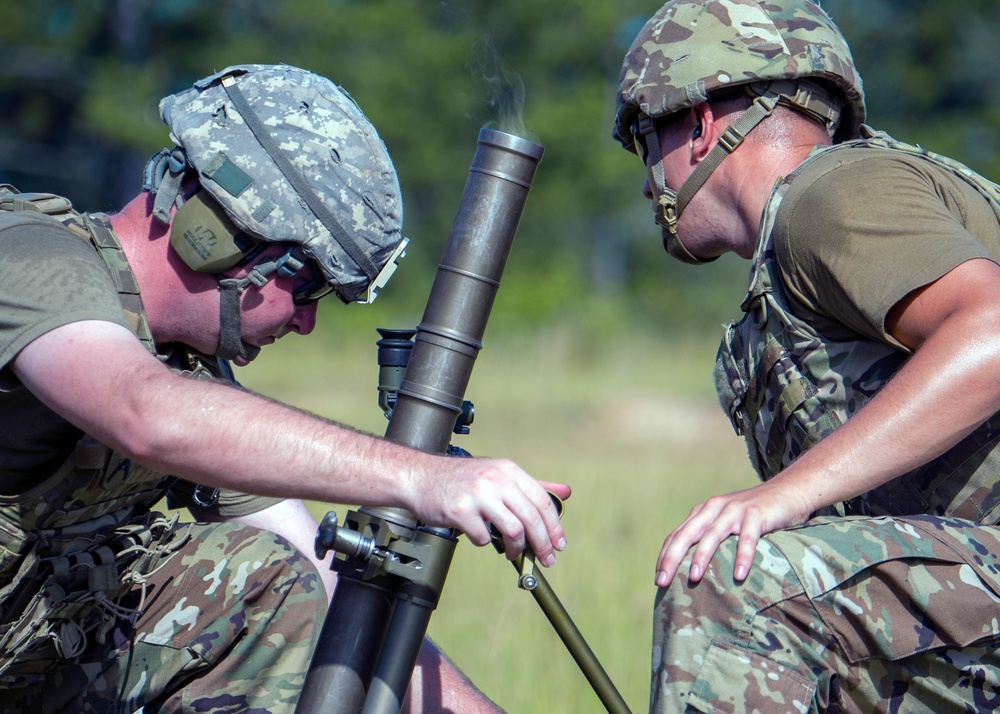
(228, 624)
(838, 615)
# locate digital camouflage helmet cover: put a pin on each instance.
(290, 157)
(785, 52)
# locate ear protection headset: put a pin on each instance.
(209, 242)
(206, 240)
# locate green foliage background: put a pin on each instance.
(80, 81)
(597, 364)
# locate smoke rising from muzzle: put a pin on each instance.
(504, 88)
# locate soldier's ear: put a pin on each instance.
(703, 136)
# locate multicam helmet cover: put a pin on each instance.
(689, 50)
(291, 158)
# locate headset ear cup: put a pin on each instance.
(204, 237)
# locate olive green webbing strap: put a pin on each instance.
(731, 138)
(296, 180)
(110, 250)
(230, 335)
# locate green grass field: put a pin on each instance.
(630, 422)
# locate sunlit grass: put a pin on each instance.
(630, 422)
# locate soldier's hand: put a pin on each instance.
(747, 514)
(468, 494)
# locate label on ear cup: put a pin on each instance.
(204, 237)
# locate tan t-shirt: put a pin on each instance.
(859, 229)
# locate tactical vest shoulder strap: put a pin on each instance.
(103, 237)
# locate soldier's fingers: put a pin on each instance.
(746, 547)
(728, 522)
(477, 532)
(561, 490)
(666, 566)
(694, 513)
(703, 554)
(510, 529)
(692, 530)
(543, 529)
(672, 554)
(544, 504)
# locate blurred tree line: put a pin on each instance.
(80, 81)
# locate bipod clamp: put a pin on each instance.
(392, 573)
(530, 578)
(375, 549)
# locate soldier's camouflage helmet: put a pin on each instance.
(290, 157)
(689, 50)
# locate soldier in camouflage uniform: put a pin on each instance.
(862, 574)
(115, 340)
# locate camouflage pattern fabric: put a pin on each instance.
(838, 615)
(688, 50)
(319, 129)
(98, 229)
(843, 614)
(227, 624)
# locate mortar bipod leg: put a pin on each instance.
(530, 578)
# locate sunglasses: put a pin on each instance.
(313, 289)
(317, 285)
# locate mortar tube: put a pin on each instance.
(429, 401)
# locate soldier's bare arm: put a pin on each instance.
(946, 390)
(100, 378)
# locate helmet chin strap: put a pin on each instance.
(666, 218)
(671, 203)
(231, 343)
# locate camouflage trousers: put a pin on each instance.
(838, 615)
(227, 624)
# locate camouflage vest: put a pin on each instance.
(784, 386)
(75, 543)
